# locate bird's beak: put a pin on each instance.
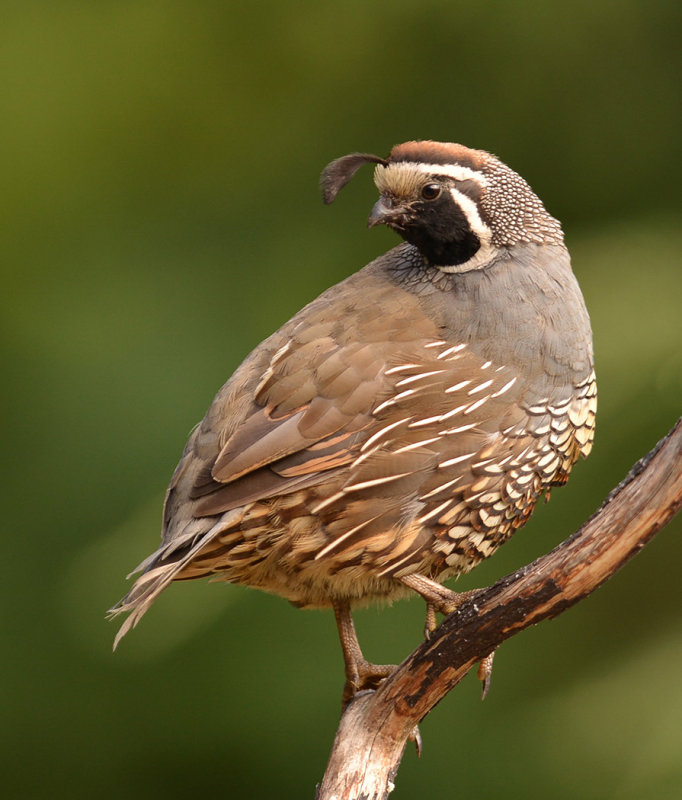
(385, 213)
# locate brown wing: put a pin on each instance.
(301, 405)
(308, 414)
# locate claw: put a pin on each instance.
(430, 623)
(416, 737)
(485, 673)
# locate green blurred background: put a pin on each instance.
(160, 216)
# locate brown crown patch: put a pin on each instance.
(429, 152)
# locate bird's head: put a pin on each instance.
(457, 206)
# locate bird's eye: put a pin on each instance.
(431, 191)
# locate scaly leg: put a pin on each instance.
(360, 673)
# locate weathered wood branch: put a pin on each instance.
(375, 726)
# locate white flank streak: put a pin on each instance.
(480, 387)
(452, 413)
(492, 469)
(439, 343)
(457, 386)
(460, 429)
(456, 349)
(507, 386)
(435, 511)
(327, 502)
(477, 404)
(414, 378)
(385, 404)
(333, 545)
(441, 488)
(452, 461)
(403, 395)
(426, 421)
(380, 433)
(356, 487)
(415, 445)
(400, 368)
(486, 365)
(396, 563)
(393, 400)
(364, 456)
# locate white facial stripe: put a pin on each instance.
(470, 209)
(455, 171)
(405, 177)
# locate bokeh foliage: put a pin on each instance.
(159, 218)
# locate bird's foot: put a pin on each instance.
(361, 676)
(438, 598)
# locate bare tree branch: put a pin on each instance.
(376, 725)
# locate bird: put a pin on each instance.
(404, 424)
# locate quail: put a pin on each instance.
(400, 427)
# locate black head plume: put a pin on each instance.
(337, 174)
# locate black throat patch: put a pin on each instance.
(441, 232)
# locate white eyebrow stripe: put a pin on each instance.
(456, 171)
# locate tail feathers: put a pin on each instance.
(156, 578)
(146, 589)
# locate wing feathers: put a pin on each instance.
(260, 441)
